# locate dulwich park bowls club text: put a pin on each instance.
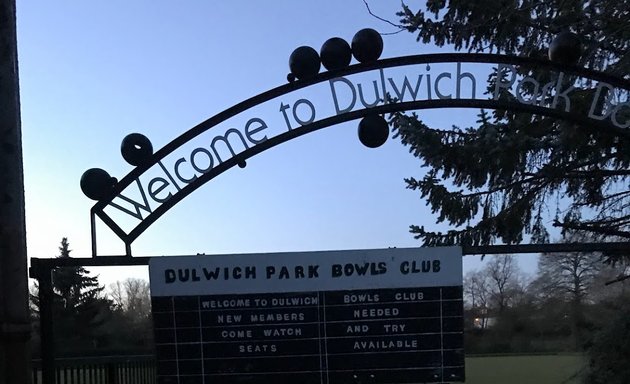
(296, 272)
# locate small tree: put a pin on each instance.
(80, 308)
(73, 285)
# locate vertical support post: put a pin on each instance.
(93, 232)
(15, 322)
(46, 325)
(112, 373)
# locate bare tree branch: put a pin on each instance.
(400, 27)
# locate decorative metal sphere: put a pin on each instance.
(373, 131)
(304, 62)
(136, 149)
(367, 45)
(565, 48)
(335, 53)
(97, 184)
(290, 77)
(242, 164)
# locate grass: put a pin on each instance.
(542, 369)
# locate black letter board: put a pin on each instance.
(368, 316)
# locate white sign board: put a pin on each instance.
(306, 271)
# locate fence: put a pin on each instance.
(138, 369)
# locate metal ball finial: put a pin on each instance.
(97, 184)
(565, 48)
(367, 45)
(136, 149)
(304, 62)
(335, 53)
(373, 131)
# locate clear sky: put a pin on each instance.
(93, 72)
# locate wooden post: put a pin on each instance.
(14, 311)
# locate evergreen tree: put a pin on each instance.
(81, 309)
(73, 285)
(610, 353)
(500, 179)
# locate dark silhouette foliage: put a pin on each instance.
(513, 175)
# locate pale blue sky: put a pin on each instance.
(93, 72)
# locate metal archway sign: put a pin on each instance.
(159, 181)
(165, 178)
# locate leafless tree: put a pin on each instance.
(476, 292)
(569, 277)
(505, 281)
(476, 289)
(497, 286)
(132, 296)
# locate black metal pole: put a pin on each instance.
(46, 325)
(614, 247)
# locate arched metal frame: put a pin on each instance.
(98, 209)
(41, 269)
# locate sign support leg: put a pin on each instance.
(46, 297)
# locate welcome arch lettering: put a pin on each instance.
(456, 80)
